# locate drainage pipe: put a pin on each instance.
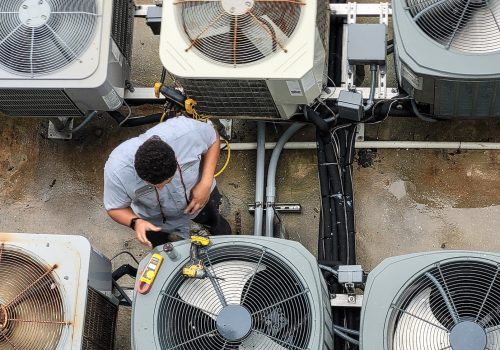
(259, 178)
(271, 175)
(248, 146)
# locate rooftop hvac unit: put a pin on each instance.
(247, 57)
(432, 301)
(264, 294)
(447, 54)
(54, 294)
(64, 58)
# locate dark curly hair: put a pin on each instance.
(155, 161)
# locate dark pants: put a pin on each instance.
(208, 217)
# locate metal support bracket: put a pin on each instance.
(60, 128)
(342, 300)
(351, 293)
(279, 207)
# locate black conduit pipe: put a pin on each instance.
(136, 121)
(327, 239)
(420, 115)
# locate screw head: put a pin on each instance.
(248, 3)
(232, 9)
(40, 2)
(25, 6)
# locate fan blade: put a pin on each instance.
(418, 328)
(493, 336)
(230, 275)
(259, 341)
(201, 27)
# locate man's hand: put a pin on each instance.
(141, 227)
(199, 197)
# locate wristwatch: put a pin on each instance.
(132, 223)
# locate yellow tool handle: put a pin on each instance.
(200, 241)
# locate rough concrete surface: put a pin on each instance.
(407, 201)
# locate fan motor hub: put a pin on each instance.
(3, 317)
(468, 335)
(234, 322)
(34, 13)
(237, 7)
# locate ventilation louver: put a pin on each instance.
(37, 37)
(237, 32)
(433, 301)
(469, 26)
(255, 300)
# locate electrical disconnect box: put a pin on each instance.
(366, 44)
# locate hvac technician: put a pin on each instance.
(157, 182)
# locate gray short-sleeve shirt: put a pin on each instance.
(123, 188)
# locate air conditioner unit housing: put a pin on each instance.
(430, 301)
(247, 57)
(264, 294)
(55, 294)
(64, 58)
(447, 54)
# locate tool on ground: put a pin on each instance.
(149, 273)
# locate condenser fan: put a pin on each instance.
(31, 304)
(239, 31)
(38, 37)
(252, 301)
(470, 26)
(454, 305)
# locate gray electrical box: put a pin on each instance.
(350, 105)
(366, 44)
(351, 274)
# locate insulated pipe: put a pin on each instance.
(259, 179)
(248, 146)
(271, 175)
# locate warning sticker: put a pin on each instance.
(294, 88)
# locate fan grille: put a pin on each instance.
(445, 300)
(274, 296)
(469, 26)
(31, 304)
(38, 37)
(239, 31)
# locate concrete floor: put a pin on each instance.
(407, 201)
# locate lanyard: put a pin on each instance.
(164, 217)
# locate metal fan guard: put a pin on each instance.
(466, 26)
(39, 37)
(238, 32)
(279, 307)
(445, 301)
(32, 310)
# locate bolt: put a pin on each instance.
(28, 21)
(232, 9)
(44, 17)
(25, 7)
(40, 2)
(248, 3)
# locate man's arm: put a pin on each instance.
(124, 216)
(201, 192)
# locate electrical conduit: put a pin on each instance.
(271, 176)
